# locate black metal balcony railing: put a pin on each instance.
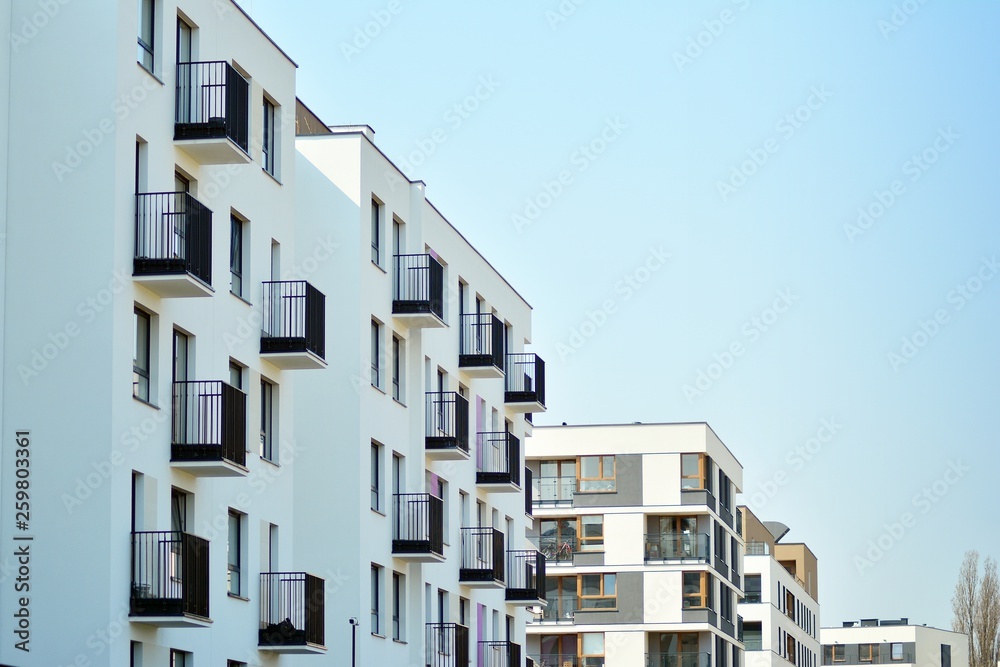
(553, 491)
(169, 574)
(677, 546)
(499, 654)
(417, 285)
(294, 318)
(525, 379)
(525, 575)
(482, 555)
(562, 608)
(212, 102)
(498, 458)
(447, 645)
(563, 660)
(557, 549)
(446, 421)
(681, 659)
(173, 235)
(417, 524)
(529, 491)
(482, 341)
(292, 609)
(209, 422)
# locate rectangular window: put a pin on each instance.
(867, 652)
(236, 255)
(752, 588)
(592, 532)
(235, 548)
(592, 649)
(789, 604)
(147, 26)
(790, 652)
(376, 593)
(693, 472)
(397, 363)
(398, 605)
(726, 603)
(180, 658)
(376, 474)
(267, 419)
(598, 591)
(695, 590)
(140, 356)
(268, 157)
(945, 655)
(235, 375)
(376, 354)
(376, 233)
(596, 473)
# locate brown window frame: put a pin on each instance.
(603, 479)
(603, 594)
(872, 653)
(585, 543)
(702, 596)
(701, 478)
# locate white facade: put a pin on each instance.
(896, 642)
(664, 561)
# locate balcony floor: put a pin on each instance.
(214, 150)
(173, 285)
(180, 621)
(304, 360)
(215, 468)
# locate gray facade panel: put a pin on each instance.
(588, 558)
(699, 616)
(698, 498)
(628, 486)
(630, 603)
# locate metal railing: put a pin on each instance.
(677, 546)
(525, 575)
(498, 458)
(481, 341)
(212, 102)
(294, 318)
(447, 645)
(499, 654)
(553, 490)
(173, 235)
(753, 643)
(757, 549)
(482, 555)
(209, 422)
(525, 378)
(680, 659)
(417, 285)
(557, 549)
(169, 574)
(292, 609)
(561, 608)
(417, 523)
(560, 660)
(446, 420)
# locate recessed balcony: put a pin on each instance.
(212, 113)
(447, 645)
(292, 613)
(553, 492)
(418, 291)
(679, 659)
(173, 245)
(498, 461)
(499, 654)
(525, 383)
(481, 345)
(525, 577)
(677, 546)
(209, 429)
(293, 333)
(446, 426)
(482, 558)
(169, 579)
(418, 527)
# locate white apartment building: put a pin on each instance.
(205, 347)
(780, 609)
(643, 550)
(872, 641)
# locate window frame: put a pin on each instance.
(589, 543)
(872, 653)
(701, 475)
(602, 586)
(235, 553)
(376, 232)
(148, 49)
(237, 228)
(268, 154)
(376, 354)
(376, 477)
(267, 420)
(398, 605)
(397, 368)
(601, 479)
(376, 599)
(892, 652)
(703, 596)
(145, 319)
(585, 657)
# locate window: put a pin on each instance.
(867, 652)
(592, 532)
(236, 255)
(945, 655)
(235, 663)
(790, 652)
(140, 356)
(147, 25)
(696, 590)
(720, 543)
(376, 474)
(180, 658)
(376, 233)
(267, 418)
(235, 375)
(720, 652)
(557, 481)
(135, 654)
(396, 368)
(752, 588)
(268, 157)
(376, 592)
(235, 549)
(598, 591)
(376, 354)
(592, 649)
(726, 603)
(398, 606)
(596, 473)
(693, 472)
(789, 604)
(725, 494)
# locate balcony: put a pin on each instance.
(173, 245)
(553, 491)
(446, 430)
(447, 645)
(481, 345)
(292, 613)
(169, 580)
(418, 291)
(757, 548)
(418, 527)
(482, 558)
(562, 609)
(212, 113)
(525, 383)
(293, 333)
(558, 549)
(563, 660)
(209, 429)
(677, 546)
(499, 654)
(525, 577)
(682, 659)
(498, 461)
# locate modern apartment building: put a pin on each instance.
(893, 642)
(780, 610)
(642, 542)
(253, 386)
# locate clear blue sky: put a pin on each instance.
(866, 96)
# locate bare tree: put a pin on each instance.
(976, 605)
